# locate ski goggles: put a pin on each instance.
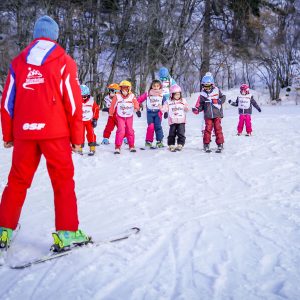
(85, 97)
(164, 79)
(112, 91)
(207, 85)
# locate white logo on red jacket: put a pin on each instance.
(33, 77)
(33, 126)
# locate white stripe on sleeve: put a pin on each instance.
(11, 84)
(61, 82)
(71, 97)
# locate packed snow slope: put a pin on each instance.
(213, 226)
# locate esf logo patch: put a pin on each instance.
(33, 126)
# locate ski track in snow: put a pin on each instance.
(213, 226)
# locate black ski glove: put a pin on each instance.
(94, 123)
(105, 109)
(166, 114)
(259, 110)
(229, 101)
(138, 113)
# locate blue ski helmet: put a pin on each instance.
(163, 72)
(207, 79)
(85, 91)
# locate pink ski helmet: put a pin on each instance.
(244, 88)
(175, 89)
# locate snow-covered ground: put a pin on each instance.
(213, 226)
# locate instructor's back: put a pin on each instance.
(41, 114)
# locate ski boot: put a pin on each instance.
(65, 240)
(5, 237)
(105, 141)
(220, 148)
(125, 140)
(132, 149)
(179, 147)
(159, 144)
(206, 148)
(239, 134)
(80, 152)
(248, 134)
(148, 144)
(172, 148)
(117, 151)
(92, 151)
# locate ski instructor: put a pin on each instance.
(41, 113)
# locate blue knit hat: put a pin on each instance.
(163, 72)
(45, 27)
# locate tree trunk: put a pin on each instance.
(206, 39)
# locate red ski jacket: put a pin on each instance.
(42, 98)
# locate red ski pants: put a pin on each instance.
(211, 124)
(112, 122)
(90, 135)
(25, 160)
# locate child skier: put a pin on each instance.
(166, 80)
(155, 100)
(124, 104)
(175, 108)
(210, 101)
(203, 119)
(244, 102)
(90, 115)
(113, 89)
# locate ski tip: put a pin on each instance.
(137, 229)
(20, 267)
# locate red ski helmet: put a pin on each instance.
(244, 88)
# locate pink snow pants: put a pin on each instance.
(124, 129)
(247, 120)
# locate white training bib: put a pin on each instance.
(244, 101)
(108, 101)
(176, 109)
(153, 102)
(212, 97)
(166, 87)
(87, 110)
(125, 107)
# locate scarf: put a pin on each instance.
(155, 93)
